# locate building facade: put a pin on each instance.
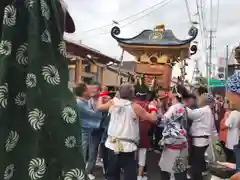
(86, 64)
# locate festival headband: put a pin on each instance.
(105, 93)
(141, 94)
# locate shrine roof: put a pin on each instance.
(154, 38)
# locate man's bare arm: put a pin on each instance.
(143, 114)
(104, 106)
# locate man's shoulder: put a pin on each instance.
(80, 102)
(177, 106)
(235, 113)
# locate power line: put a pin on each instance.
(167, 2)
(126, 18)
(188, 11)
(129, 23)
(200, 23)
(202, 9)
(217, 19)
(210, 40)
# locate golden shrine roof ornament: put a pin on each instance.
(160, 28)
(157, 32)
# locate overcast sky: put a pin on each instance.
(89, 14)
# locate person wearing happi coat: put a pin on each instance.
(233, 96)
(40, 129)
(233, 120)
(174, 155)
(201, 130)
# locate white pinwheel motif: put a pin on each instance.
(4, 95)
(45, 9)
(8, 173)
(31, 80)
(69, 115)
(51, 75)
(74, 174)
(5, 48)
(36, 118)
(21, 55)
(20, 99)
(70, 142)
(29, 4)
(36, 168)
(62, 48)
(9, 17)
(11, 141)
(46, 37)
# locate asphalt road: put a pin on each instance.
(153, 168)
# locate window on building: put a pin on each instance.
(221, 69)
(87, 68)
(71, 75)
(87, 80)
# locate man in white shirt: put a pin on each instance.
(233, 133)
(202, 128)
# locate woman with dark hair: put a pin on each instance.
(40, 129)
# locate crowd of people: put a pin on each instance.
(119, 131)
(40, 133)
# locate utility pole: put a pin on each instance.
(210, 44)
(195, 71)
(226, 68)
(210, 52)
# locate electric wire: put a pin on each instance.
(167, 2)
(126, 18)
(217, 18)
(188, 12)
(205, 33)
(200, 21)
(135, 20)
(195, 72)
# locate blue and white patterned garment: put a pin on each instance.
(233, 82)
(174, 131)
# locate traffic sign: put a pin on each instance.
(213, 82)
